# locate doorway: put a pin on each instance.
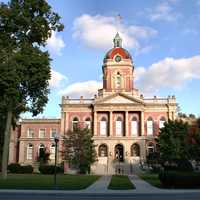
(119, 152)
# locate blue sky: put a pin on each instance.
(162, 36)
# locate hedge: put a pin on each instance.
(177, 179)
(20, 169)
(50, 169)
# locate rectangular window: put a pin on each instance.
(118, 128)
(103, 128)
(161, 124)
(53, 132)
(134, 128)
(149, 127)
(30, 133)
(42, 133)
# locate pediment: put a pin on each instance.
(120, 99)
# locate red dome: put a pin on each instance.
(118, 50)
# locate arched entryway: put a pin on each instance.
(119, 152)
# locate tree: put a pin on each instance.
(194, 146)
(192, 116)
(25, 26)
(79, 149)
(172, 141)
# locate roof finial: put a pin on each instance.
(117, 40)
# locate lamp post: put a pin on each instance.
(56, 139)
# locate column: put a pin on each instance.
(142, 123)
(110, 124)
(126, 123)
(95, 124)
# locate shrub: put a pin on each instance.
(17, 168)
(179, 165)
(14, 168)
(27, 169)
(179, 179)
(50, 169)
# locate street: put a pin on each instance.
(22, 196)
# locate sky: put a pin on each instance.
(161, 35)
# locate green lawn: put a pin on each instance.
(151, 178)
(120, 183)
(38, 181)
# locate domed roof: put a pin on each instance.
(117, 49)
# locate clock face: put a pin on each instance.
(118, 58)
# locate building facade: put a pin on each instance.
(124, 123)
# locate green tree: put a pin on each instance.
(172, 141)
(25, 26)
(194, 146)
(79, 149)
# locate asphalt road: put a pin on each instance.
(17, 196)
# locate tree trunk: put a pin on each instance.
(6, 145)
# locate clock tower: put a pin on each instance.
(117, 69)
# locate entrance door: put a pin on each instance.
(119, 152)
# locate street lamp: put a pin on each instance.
(56, 139)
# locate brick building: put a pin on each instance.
(124, 122)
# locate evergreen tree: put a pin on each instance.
(172, 141)
(79, 149)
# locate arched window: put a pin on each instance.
(88, 123)
(119, 126)
(75, 123)
(29, 152)
(103, 150)
(52, 151)
(162, 122)
(41, 151)
(150, 126)
(118, 80)
(150, 148)
(134, 127)
(135, 150)
(103, 126)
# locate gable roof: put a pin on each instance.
(119, 98)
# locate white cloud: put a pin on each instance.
(56, 79)
(168, 73)
(55, 44)
(86, 89)
(164, 11)
(98, 32)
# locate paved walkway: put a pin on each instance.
(100, 185)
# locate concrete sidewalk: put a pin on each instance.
(100, 185)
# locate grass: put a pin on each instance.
(151, 178)
(38, 181)
(119, 182)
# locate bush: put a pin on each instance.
(18, 169)
(27, 169)
(177, 179)
(14, 168)
(50, 169)
(179, 165)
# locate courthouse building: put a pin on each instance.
(124, 123)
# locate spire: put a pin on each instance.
(117, 40)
